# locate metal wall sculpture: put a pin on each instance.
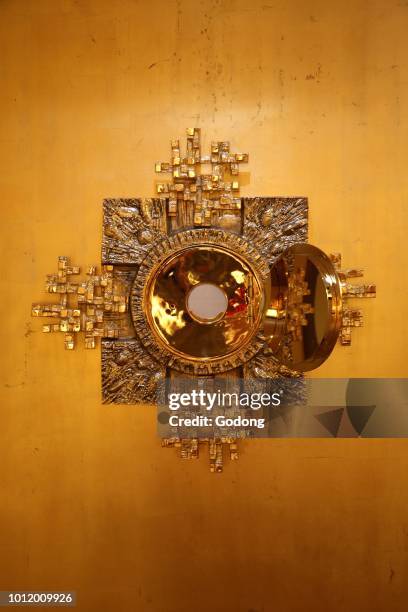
(155, 251)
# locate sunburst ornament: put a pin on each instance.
(198, 230)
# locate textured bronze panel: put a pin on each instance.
(129, 374)
(129, 228)
(274, 224)
(265, 365)
(123, 279)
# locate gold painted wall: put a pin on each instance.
(91, 93)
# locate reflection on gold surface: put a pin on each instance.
(239, 276)
(303, 317)
(173, 325)
(167, 316)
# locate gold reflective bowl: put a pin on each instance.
(159, 302)
(179, 329)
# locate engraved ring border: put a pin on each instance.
(168, 246)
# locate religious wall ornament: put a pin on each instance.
(279, 305)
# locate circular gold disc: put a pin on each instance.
(172, 325)
(234, 308)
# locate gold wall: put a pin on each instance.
(91, 93)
